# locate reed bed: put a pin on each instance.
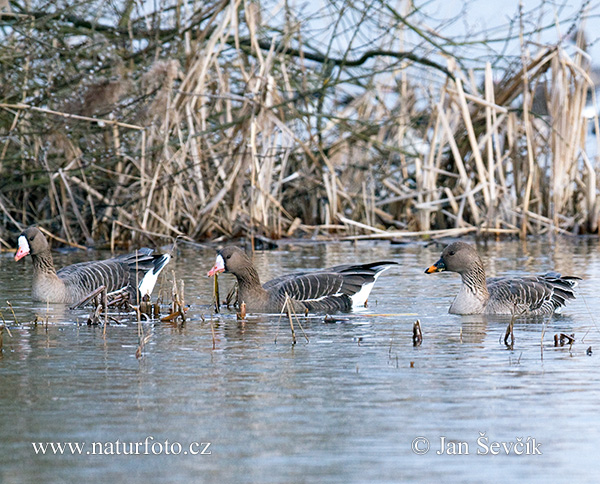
(214, 120)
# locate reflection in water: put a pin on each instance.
(342, 407)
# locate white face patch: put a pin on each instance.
(219, 266)
(23, 249)
(23, 244)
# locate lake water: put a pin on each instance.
(347, 406)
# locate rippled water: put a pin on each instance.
(344, 407)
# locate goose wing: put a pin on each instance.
(85, 277)
(118, 273)
(332, 288)
(541, 294)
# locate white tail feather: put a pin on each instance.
(149, 280)
(359, 298)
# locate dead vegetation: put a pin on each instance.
(225, 119)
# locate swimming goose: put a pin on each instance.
(527, 295)
(339, 288)
(71, 284)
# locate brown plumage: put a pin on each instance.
(71, 284)
(527, 295)
(330, 290)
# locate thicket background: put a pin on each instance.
(123, 119)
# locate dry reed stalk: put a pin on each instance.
(12, 311)
(417, 334)
(76, 211)
(464, 178)
(528, 134)
(359, 225)
(216, 297)
(491, 129)
(466, 116)
(101, 122)
(442, 233)
(257, 138)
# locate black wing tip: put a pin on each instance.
(161, 261)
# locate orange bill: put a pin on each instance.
(439, 266)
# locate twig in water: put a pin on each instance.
(142, 343)
(542, 341)
(242, 314)
(105, 304)
(288, 309)
(90, 296)
(562, 339)
(291, 306)
(417, 334)
(510, 332)
(13, 311)
(216, 293)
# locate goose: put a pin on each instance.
(339, 288)
(73, 283)
(526, 295)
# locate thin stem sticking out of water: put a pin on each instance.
(542, 341)
(417, 334)
(242, 314)
(216, 293)
(105, 304)
(13, 311)
(510, 332)
(288, 308)
(89, 297)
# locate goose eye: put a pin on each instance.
(228, 257)
(451, 252)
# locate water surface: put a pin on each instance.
(345, 406)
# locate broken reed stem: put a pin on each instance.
(12, 311)
(242, 314)
(510, 332)
(105, 304)
(542, 341)
(560, 339)
(417, 334)
(27, 107)
(89, 297)
(216, 300)
(287, 307)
